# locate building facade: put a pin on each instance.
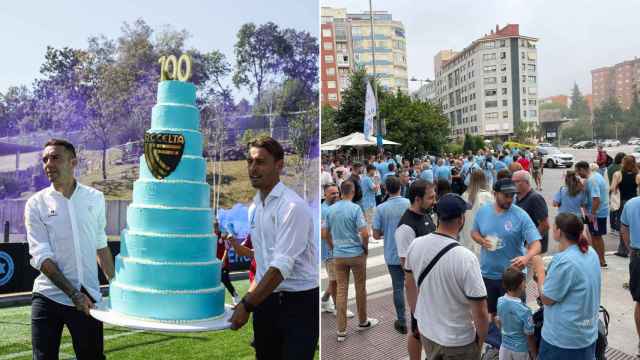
(490, 87)
(346, 45)
(620, 82)
(426, 92)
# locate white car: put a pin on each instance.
(545, 145)
(553, 157)
(636, 154)
(610, 143)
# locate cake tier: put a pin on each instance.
(190, 168)
(175, 116)
(168, 275)
(171, 193)
(166, 305)
(176, 92)
(192, 139)
(167, 247)
(173, 220)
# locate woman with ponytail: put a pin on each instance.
(570, 292)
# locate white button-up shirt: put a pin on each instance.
(283, 237)
(69, 232)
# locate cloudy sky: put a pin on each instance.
(28, 26)
(575, 36)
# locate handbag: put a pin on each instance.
(614, 201)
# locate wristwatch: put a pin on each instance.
(247, 306)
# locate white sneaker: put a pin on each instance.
(371, 322)
(327, 307)
(349, 313)
(342, 336)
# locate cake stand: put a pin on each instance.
(104, 313)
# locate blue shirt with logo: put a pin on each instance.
(516, 323)
(573, 282)
(386, 219)
(568, 203)
(630, 218)
(368, 193)
(514, 228)
(345, 219)
(596, 186)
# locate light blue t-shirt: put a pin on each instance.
(573, 282)
(325, 253)
(514, 228)
(470, 169)
(516, 323)
(568, 203)
(444, 173)
(508, 160)
(427, 175)
(389, 173)
(596, 186)
(382, 167)
(632, 211)
(368, 193)
(488, 169)
(499, 165)
(386, 219)
(345, 220)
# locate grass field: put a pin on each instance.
(123, 343)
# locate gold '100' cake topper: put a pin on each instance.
(176, 73)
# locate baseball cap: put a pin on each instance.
(505, 186)
(451, 206)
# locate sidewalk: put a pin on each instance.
(384, 343)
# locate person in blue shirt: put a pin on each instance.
(427, 173)
(508, 158)
(468, 168)
(500, 164)
(345, 231)
(385, 222)
(570, 292)
(390, 172)
(597, 193)
(571, 197)
(516, 321)
(489, 170)
(503, 230)
(630, 232)
(369, 189)
(443, 171)
(381, 166)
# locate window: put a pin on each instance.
(524, 67)
(524, 113)
(503, 43)
(524, 102)
(491, 104)
(503, 67)
(531, 67)
(524, 78)
(533, 113)
(333, 97)
(504, 91)
(331, 84)
(503, 55)
(505, 102)
(487, 57)
(328, 45)
(327, 32)
(533, 91)
(328, 59)
(524, 90)
(532, 102)
(490, 80)
(491, 116)
(531, 55)
(331, 71)
(503, 79)
(489, 69)
(522, 55)
(489, 45)
(490, 92)
(505, 114)
(532, 79)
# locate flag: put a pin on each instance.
(370, 109)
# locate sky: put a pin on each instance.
(28, 26)
(575, 36)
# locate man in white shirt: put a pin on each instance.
(286, 298)
(451, 306)
(66, 233)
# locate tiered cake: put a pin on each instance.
(167, 269)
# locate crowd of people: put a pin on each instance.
(482, 219)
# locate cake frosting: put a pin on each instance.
(167, 269)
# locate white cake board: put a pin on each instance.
(104, 313)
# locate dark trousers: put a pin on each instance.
(286, 325)
(47, 320)
(397, 282)
(622, 248)
(224, 274)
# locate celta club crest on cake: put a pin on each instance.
(162, 152)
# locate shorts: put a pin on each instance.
(536, 173)
(330, 266)
(506, 354)
(368, 215)
(634, 274)
(602, 227)
(494, 291)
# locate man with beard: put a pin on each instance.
(503, 229)
(415, 222)
(534, 204)
(286, 299)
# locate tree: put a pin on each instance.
(578, 108)
(469, 144)
(577, 130)
(328, 126)
(303, 134)
(608, 119)
(350, 115)
(302, 63)
(258, 53)
(527, 132)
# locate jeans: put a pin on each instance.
(47, 320)
(343, 267)
(550, 352)
(286, 325)
(397, 282)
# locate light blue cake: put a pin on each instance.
(167, 269)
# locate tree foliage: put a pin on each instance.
(579, 108)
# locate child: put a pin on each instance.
(516, 322)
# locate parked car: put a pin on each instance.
(584, 145)
(633, 141)
(544, 145)
(610, 143)
(553, 157)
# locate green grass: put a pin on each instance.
(15, 330)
